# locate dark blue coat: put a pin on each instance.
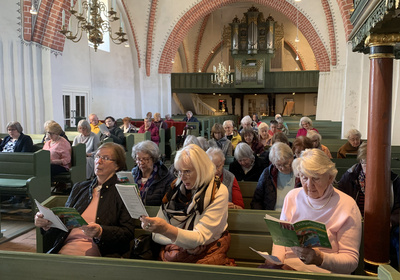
(24, 144)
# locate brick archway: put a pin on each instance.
(202, 9)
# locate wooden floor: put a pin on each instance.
(23, 243)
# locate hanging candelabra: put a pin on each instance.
(221, 76)
(93, 19)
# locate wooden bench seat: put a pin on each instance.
(18, 265)
(25, 174)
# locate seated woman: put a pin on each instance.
(110, 227)
(159, 123)
(282, 126)
(281, 137)
(316, 139)
(276, 180)
(256, 121)
(16, 141)
(46, 136)
(231, 133)
(263, 135)
(150, 174)
(250, 137)
(273, 128)
(227, 178)
(300, 144)
(151, 127)
(60, 149)
(353, 184)
(218, 139)
(319, 201)
(352, 144)
(247, 166)
(92, 142)
(192, 220)
(127, 126)
(114, 132)
(305, 125)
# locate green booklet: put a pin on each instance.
(63, 218)
(302, 234)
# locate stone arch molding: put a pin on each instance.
(200, 10)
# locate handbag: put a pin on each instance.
(145, 248)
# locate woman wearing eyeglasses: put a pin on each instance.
(60, 149)
(276, 180)
(192, 221)
(110, 227)
(150, 173)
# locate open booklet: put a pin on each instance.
(302, 234)
(131, 198)
(63, 218)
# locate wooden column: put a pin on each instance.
(377, 191)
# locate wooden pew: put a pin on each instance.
(247, 228)
(25, 174)
(247, 189)
(19, 265)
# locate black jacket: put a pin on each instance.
(24, 143)
(349, 184)
(159, 187)
(266, 192)
(112, 216)
(116, 134)
(253, 175)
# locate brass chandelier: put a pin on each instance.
(93, 19)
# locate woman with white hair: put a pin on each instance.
(316, 139)
(319, 201)
(231, 133)
(246, 123)
(305, 125)
(92, 142)
(192, 220)
(227, 178)
(276, 180)
(352, 144)
(150, 173)
(247, 166)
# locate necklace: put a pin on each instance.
(309, 203)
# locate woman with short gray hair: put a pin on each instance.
(352, 144)
(92, 142)
(316, 138)
(16, 141)
(247, 166)
(227, 178)
(276, 180)
(305, 125)
(150, 174)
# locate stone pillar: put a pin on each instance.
(377, 191)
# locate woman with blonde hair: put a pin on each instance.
(319, 201)
(60, 149)
(192, 221)
(263, 136)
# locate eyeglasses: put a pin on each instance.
(105, 158)
(287, 164)
(185, 173)
(144, 160)
(50, 133)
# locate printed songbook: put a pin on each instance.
(302, 234)
(63, 218)
(131, 198)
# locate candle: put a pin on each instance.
(229, 68)
(80, 6)
(72, 4)
(63, 17)
(88, 13)
(122, 24)
(113, 4)
(70, 24)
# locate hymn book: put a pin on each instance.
(302, 234)
(131, 197)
